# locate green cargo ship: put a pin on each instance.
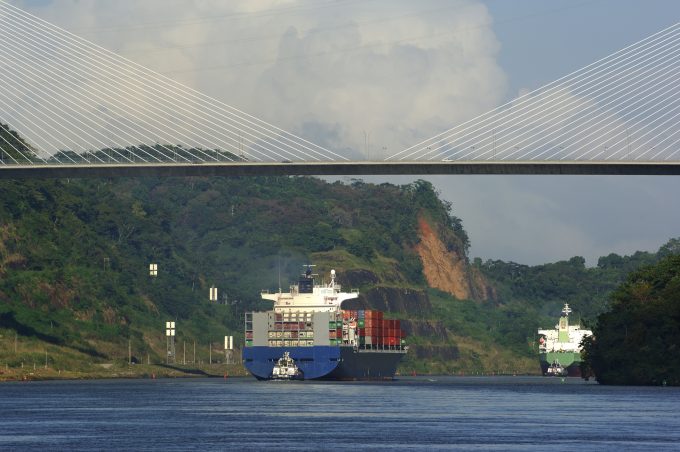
(560, 348)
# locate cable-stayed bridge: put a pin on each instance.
(71, 108)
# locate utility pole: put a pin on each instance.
(129, 352)
(210, 352)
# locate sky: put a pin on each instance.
(372, 77)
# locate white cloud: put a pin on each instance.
(347, 74)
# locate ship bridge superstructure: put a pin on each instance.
(564, 337)
(306, 296)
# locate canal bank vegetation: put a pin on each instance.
(637, 341)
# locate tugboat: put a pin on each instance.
(556, 370)
(560, 348)
(285, 369)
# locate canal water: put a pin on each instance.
(419, 413)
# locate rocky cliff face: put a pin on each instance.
(426, 328)
(446, 267)
(439, 352)
(392, 299)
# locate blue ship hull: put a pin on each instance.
(325, 362)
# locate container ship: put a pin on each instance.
(307, 336)
(560, 348)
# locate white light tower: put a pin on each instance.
(213, 294)
(170, 336)
(153, 270)
(228, 348)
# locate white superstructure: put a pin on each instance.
(307, 296)
(565, 337)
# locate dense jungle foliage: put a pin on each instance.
(637, 342)
(587, 289)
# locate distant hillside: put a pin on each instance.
(547, 287)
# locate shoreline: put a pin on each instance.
(162, 371)
(135, 371)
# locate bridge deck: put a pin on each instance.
(340, 169)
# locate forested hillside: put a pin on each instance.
(587, 289)
(75, 255)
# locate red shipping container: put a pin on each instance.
(397, 324)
